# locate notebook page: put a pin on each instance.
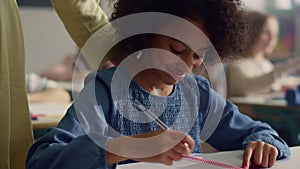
(233, 158)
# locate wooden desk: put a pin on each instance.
(49, 114)
(246, 104)
(231, 157)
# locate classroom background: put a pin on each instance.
(47, 44)
(46, 37)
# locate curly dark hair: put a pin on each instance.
(223, 19)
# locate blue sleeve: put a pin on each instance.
(60, 149)
(69, 146)
(235, 130)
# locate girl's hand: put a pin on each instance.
(161, 146)
(185, 146)
(259, 154)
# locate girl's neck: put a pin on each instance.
(259, 57)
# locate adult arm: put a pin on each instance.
(81, 18)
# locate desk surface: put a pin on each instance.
(274, 99)
(291, 163)
(48, 114)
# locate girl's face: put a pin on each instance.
(268, 37)
(172, 69)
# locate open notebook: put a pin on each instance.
(220, 160)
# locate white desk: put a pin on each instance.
(232, 156)
(291, 163)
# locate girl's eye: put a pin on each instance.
(175, 51)
(199, 56)
(177, 48)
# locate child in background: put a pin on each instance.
(254, 73)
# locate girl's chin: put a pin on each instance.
(174, 80)
(178, 77)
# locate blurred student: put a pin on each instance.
(15, 128)
(41, 89)
(62, 71)
(254, 73)
(70, 67)
(117, 132)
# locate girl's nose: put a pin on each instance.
(197, 61)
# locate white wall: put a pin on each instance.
(46, 40)
(259, 5)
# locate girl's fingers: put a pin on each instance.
(167, 160)
(175, 155)
(182, 148)
(261, 154)
(258, 153)
(247, 156)
(189, 141)
(272, 156)
(168, 157)
(265, 159)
